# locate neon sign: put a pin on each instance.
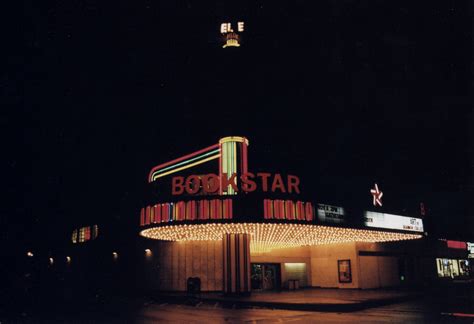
(227, 27)
(456, 245)
(232, 38)
(287, 209)
(187, 210)
(212, 183)
(377, 196)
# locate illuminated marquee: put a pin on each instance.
(382, 220)
(331, 214)
(266, 237)
(271, 217)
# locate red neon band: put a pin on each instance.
(463, 315)
(244, 158)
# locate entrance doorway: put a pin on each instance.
(266, 276)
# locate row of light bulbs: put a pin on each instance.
(265, 237)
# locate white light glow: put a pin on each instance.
(265, 237)
(382, 220)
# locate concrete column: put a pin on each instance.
(236, 259)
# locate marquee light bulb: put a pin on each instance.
(266, 237)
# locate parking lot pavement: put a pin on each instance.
(407, 312)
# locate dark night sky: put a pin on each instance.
(342, 93)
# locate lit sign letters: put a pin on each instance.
(211, 183)
(382, 220)
(227, 27)
(328, 213)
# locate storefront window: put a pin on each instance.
(452, 268)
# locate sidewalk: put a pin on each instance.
(312, 299)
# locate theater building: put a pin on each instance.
(208, 215)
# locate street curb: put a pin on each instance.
(346, 307)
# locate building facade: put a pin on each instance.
(210, 217)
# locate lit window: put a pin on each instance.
(85, 234)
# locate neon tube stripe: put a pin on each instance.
(186, 166)
(224, 164)
(220, 169)
(184, 162)
(234, 162)
(150, 175)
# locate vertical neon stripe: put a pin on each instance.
(147, 215)
(265, 212)
(219, 209)
(224, 209)
(220, 168)
(227, 153)
(224, 164)
(234, 169)
(244, 158)
(229, 165)
(158, 213)
(229, 159)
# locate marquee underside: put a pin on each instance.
(265, 236)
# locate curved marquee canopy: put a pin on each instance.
(268, 236)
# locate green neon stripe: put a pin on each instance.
(187, 161)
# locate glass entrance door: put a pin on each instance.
(266, 276)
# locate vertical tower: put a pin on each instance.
(232, 160)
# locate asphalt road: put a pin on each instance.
(116, 308)
(408, 312)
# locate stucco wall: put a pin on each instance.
(324, 265)
(377, 271)
(173, 262)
